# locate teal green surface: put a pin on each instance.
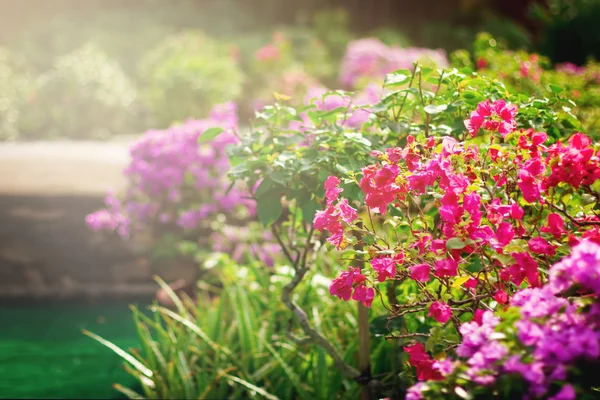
(43, 353)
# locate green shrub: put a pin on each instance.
(185, 75)
(15, 85)
(85, 95)
(532, 74)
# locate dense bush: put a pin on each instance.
(453, 195)
(15, 89)
(185, 75)
(532, 74)
(174, 185)
(85, 94)
(545, 345)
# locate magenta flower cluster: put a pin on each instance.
(551, 335)
(173, 183)
(372, 59)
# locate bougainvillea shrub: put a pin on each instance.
(545, 344)
(533, 74)
(175, 185)
(452, 197)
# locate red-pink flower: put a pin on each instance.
(385, 267)
(541, 246)
(516, 212)
(525, 267)
(423, 363)
(331, 218)
(574, 164)
(471, 283)
(556, 225)
(364, 295)
(420, 272)
(440, 311)
(342, 285)
(529, 186)
(501, 297)
(504, 234)
(332, 191)
(496, 117)
(347, 213)
(446, 268)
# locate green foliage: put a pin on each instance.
(533, 75)
(86, 94)
(236, 341)
(185, 75)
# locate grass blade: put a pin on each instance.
(128, 392)
(287, 369)
(250, 386)
(121, 353)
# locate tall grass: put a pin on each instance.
(236, 342)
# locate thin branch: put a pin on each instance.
(312, 334)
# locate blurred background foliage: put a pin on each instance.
(166, 61)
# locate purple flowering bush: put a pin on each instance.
(176, 185)
(369, 59)
(545, 344)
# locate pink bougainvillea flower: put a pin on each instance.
(496, 117)
(504, 234)
(471, 283)
(555, 226)
(540, 245)
(364, 295)
(516, 212)
(501, 297)
(423, 363)
(332, 191)
(446, 268)
(343, 284)
(420, 272)
(440, 311)
(529, 185)
(385, 267)
(347, 213)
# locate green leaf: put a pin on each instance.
(433, 109)
(264, 187)
(269, 208)
(397, 78)
(455, 244)
(209, 134)
(309, 209)
(239, 168)
(555, 88)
